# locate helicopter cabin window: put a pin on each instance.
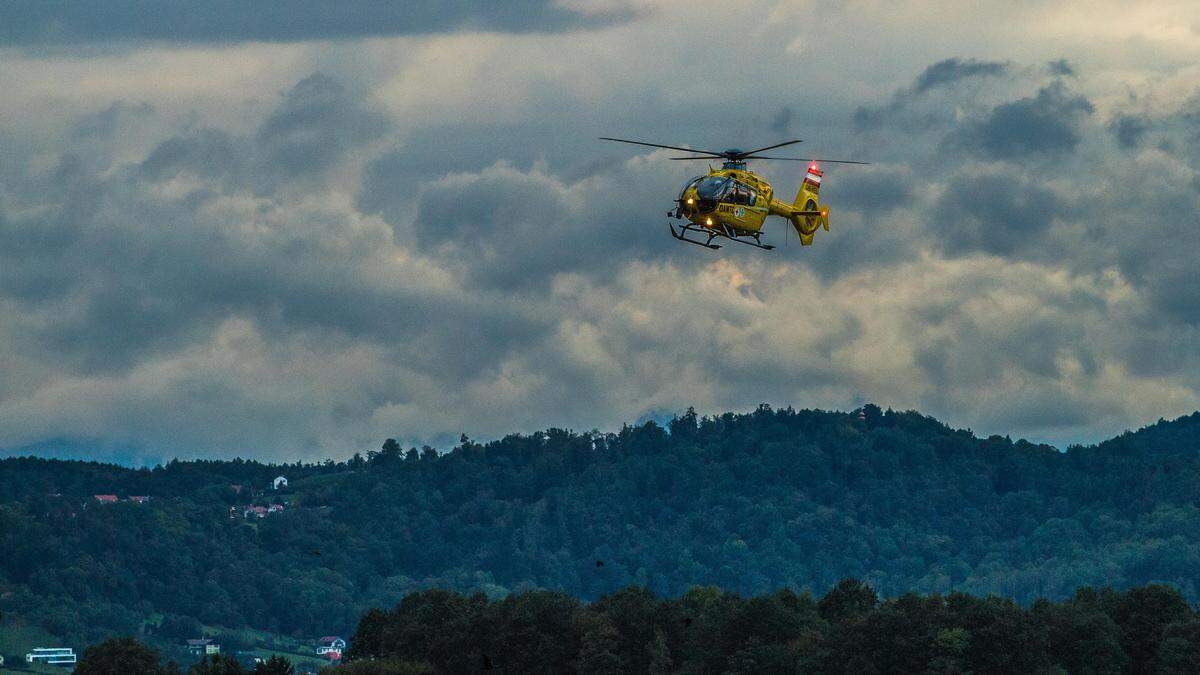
(742, 194)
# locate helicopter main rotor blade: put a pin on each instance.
(807, 159)
(770, 147)
(702, 157)
(656, 145)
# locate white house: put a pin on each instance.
(203, 646)
(279, 482)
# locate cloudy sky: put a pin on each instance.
(291, 232)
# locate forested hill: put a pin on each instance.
(750, 503)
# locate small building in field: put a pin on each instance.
(279, 482)
(106, 499)
(140, 499)
(54, 656)
(255, 512)
(275, 508)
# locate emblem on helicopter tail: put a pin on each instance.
(739, 212)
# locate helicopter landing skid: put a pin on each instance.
(749, 240)
(681, 236)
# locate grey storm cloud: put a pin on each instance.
(876, 189)
(1044, 124)
(1129, 130)
(994, 212)
(1061, 68)
(104, 123)
(782, 122)
(947, 72)
(63, 22)
(118, 271)
(325, 270)
(315, 125)
(511, 229)
(939, 75)
(203, 152)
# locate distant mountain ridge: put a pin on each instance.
(122, 454)
(749, 502)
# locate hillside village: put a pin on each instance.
(260, 503)
(254, 502)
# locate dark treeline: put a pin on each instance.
(750, 503)
(1149, 629)
(128, 656)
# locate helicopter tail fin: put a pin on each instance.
(811, 213)
(811, 184)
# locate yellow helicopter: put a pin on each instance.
(733, 202)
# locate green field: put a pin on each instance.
(16, 639)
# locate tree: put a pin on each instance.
(850, 600)
(217, 665)
(1179, 651)
(276, 665)
(121, 656)
(380, 667)
(598, 655)
(1080, 637)
(179, 627)
(660, 655)
(1142, 614)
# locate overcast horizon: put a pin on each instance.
(290, 232)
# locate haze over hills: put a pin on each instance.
(748, 502)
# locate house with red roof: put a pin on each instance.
(331, 647)
(106, 499)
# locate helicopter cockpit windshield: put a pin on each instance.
(714, 188)
(690, 182)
